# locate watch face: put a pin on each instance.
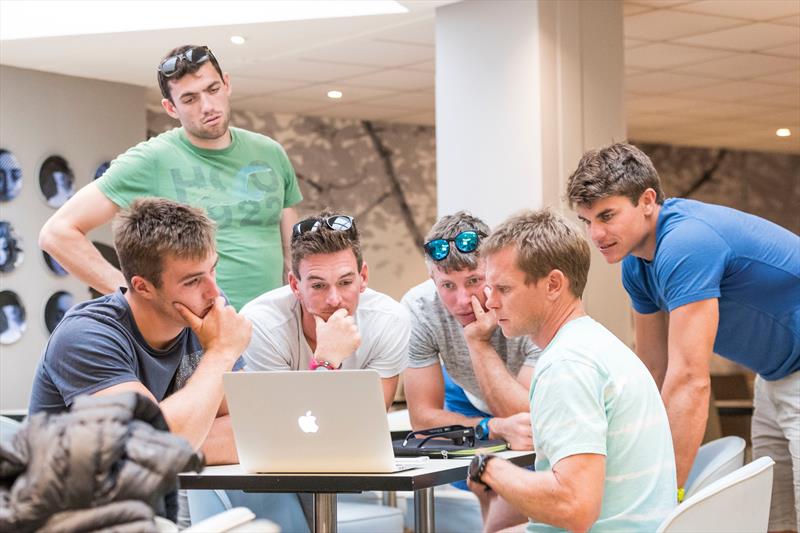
(474, 468)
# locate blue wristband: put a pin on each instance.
(483, 432)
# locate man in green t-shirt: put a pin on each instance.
(243, 180)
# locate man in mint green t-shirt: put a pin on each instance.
(604, 457)
(243, 180)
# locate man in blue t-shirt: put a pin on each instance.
(703, 278)
(168, 335)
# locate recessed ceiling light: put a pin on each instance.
(238, 39)
(335, 94)
(783, 132)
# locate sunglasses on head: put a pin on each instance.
(194, 56)
(466, 242)
(335, 222)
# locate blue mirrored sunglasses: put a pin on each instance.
(466, 242)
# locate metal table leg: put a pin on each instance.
(324, 512)
(389, 498)
(424, 519)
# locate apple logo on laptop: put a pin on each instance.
(308, 423)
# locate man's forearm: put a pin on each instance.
(537, 495)
(191, 411)
(80, 258)
(502, 392)
(687, 408)
(431, 417)
(219, 447)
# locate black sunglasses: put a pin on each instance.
(335, 222)
(466, 242)
(193, 56)
(458, 434)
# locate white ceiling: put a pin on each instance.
(700, 72)
(713, 72)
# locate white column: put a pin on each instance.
(523, 88)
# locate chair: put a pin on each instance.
(352, 516)
(455, 510)
(738, 502)
(8, 427)
(714, 460)
(238, 519)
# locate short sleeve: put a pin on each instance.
(130, 176)
(423, 349)
(266, 351)
(568, 410)
(634, 280)
(690, 263)
(291, 189)
(85, 364)
(389, 355)
(532, 352)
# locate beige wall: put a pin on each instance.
(86, 122)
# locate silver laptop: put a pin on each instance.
(310, 421)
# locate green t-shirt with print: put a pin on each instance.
(243, 187)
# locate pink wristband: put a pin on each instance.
(314, 364)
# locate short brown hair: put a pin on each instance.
(151, 229)
(324, 240)
(617, 170)
(544, 242)
(448, 227)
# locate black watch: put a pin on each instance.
(482, 429)
(477, 467)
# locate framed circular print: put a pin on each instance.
(10, 176)
(12, 317)
(56, 307)
(101, 169)
(56, 181)
(53, 265)
(11, 251)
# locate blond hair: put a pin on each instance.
(544, 242)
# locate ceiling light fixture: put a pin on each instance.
(783, 132)
(238, 39)
(335, 94)
(23, 19)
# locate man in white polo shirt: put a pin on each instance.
(604, 458)
(326, 318)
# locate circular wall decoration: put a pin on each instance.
(11, 252)
(12, 317)
(101, 169)
(56, 181)
(54, 266)
(56, 307)
(110, 255)
(10, 176)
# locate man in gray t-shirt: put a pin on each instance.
(484, 377)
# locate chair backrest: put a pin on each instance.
(8, 428)
(715, 460)
(739, 502)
